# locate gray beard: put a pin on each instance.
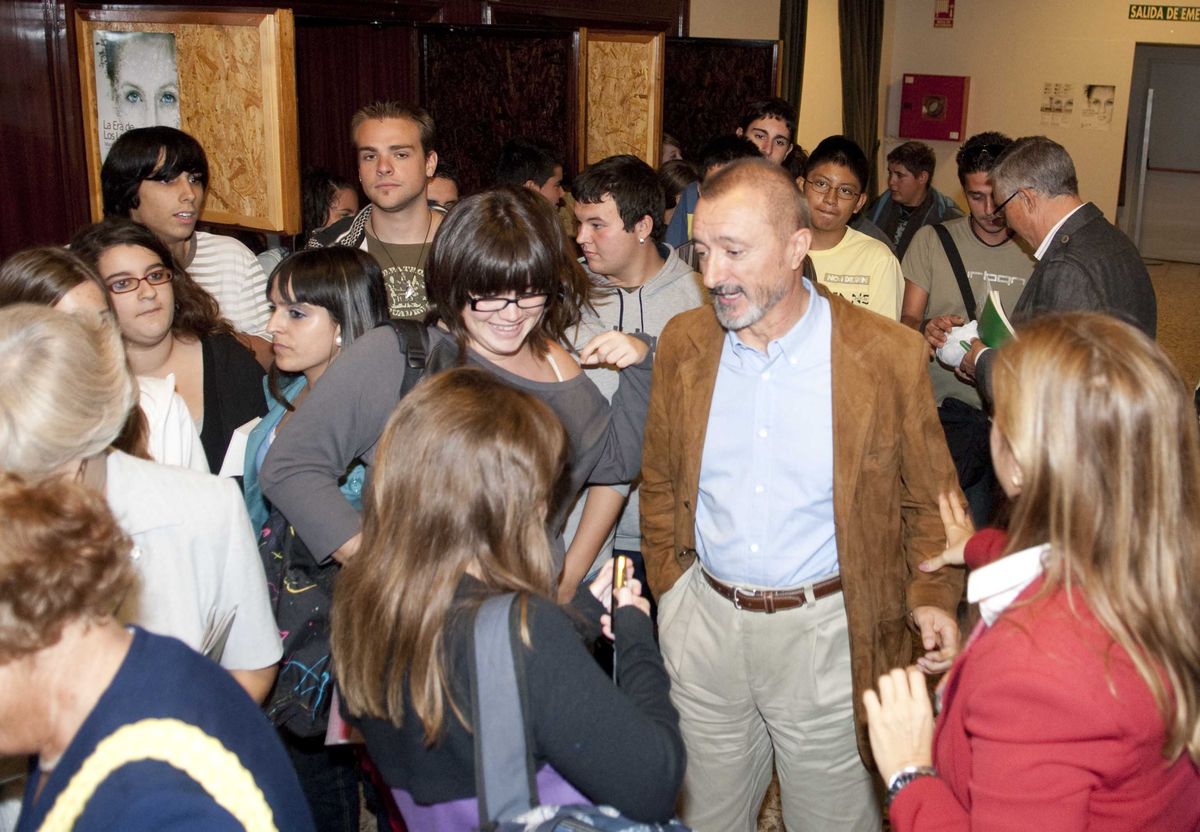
(759, 305)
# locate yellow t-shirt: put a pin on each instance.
(864, 271)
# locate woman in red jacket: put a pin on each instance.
(1076, 704)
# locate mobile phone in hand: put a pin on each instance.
(620, 567)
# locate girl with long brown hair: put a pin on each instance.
(466, 473)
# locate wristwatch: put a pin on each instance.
(903, 777)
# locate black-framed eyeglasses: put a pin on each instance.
(130, 284)
(998, 211)
(844, 192)
(533, 300)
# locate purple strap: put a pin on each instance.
(457, 815)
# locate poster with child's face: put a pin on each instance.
(137, 83)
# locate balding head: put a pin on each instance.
(752, 235)
(774, 189)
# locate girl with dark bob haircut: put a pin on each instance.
(172, 327)
(500, 242)
(322, 301)
(504, 288)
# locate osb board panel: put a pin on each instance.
(707, 83)
(624, 96)
(237, 98)
(485, 87)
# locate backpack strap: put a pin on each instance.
(413, 339)
(960, 271)
(181, 745)
(504, 778)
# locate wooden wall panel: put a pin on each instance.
(486, 85)
(341, 66)
(709, 80)
(342, 61)
(670, 16)
(624, 95)
(43, 179)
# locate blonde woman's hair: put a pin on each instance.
(465, 474)
(65, 389)
(1106, 437)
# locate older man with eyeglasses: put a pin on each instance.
(1084, 262)
(848, 262)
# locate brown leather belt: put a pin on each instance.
(774, 600)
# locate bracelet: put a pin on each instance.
(902, 778)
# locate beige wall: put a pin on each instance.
(742, 19)
(1008, 49)
(1009, 55)
(821, 96)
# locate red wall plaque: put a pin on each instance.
(934, 107)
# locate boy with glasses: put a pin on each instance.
(848, 262)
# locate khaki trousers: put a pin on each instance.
(753, 688)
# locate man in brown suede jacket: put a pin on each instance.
(793, 459)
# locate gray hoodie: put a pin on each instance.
(673, 289)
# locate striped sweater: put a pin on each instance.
(229, 272)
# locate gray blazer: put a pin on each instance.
(1089, 266)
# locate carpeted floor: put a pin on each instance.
(1177, 286)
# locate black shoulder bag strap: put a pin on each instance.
(960, 271)
(413, 338)
(504, 778)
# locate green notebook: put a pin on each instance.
(994, 326)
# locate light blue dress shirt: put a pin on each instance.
(765, 512)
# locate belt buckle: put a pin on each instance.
(738, 592)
